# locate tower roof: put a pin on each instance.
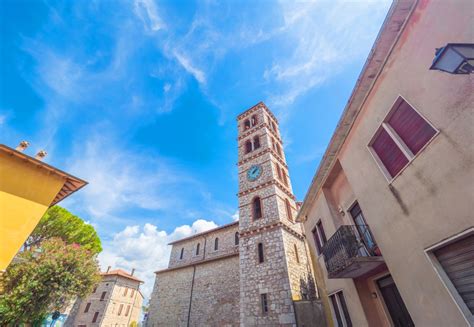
(121, 273)
(259, 105)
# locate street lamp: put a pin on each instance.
(454, 58)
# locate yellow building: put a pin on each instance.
(28, 187)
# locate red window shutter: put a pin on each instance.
(411, 127)
(391, 156)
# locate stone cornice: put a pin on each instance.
(262, 152)
(271, 182)
(255, 128)
(266, 228)
(254, 108)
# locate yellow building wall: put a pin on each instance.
(26, 192)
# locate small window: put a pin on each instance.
(278, 149)
(264, 303)
(278, 172)
(132, 293)
(402, 135)
(125, 291)
(319, 236)
(257, 208)
(120, 309)
(285, 179)
(127, 311)
(253, 120)
(260, 253)
(248, 146)
(296, 253)
(273, 144)
(96, 315)
(102, 297)
(256, 142)
(216, 244)
(288, 210)
(246, 124)
(95, 289)
(181, 254)
(197, 248)
(273, 126)
(236, 238)
(88, 305)
(339, 310)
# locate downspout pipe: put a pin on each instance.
(192, 283)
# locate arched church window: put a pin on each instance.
(256, 142)
(296, 253)
(216, 244)
(257, 208)
(285, 179)
(197, 248)
(246, 124)
(236, 238)
(260, 253)
(288, 210)
(253, 120)
(181, 254)
(248, 146)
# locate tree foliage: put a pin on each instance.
(42, 281)
(58, 222)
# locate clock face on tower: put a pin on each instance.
(254, 172)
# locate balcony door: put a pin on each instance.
(363, 228)
(394, 303)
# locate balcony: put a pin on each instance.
(351, 252)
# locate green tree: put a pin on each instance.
(44, 280)
(58, 222)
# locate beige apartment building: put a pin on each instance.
(115, 302)
(389, 213)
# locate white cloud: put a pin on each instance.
(147, 11)
(167, 87)
(186, 63)
(146, 249)
(235, 216)
(120, 178)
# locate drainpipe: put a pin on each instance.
(192, 282)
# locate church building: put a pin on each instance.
(251, 272)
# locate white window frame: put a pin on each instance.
(339, 307)
(445, 280)
(398, 141)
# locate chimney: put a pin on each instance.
(40, 155)
(108, 268)
(133, 271)
(22, 146)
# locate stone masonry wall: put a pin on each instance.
(269, 277)
(215, 295)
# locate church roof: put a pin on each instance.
(206, 232)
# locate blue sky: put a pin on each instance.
(140, 97)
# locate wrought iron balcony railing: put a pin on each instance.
(349, 244)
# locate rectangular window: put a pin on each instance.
(102, 297)
(120, 310)
(96, 315)
(125, 291)
(402, 135)
(264, 303)
(319, 236)
(339, 310)
(88, 305)
(132, 293)
(127, 311)
(455, 264)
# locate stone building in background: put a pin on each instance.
(115, 302)
(254, 272)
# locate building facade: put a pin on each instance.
(254, 272)
(390, 207)
(115, 302)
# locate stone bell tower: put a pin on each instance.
(274, 267)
